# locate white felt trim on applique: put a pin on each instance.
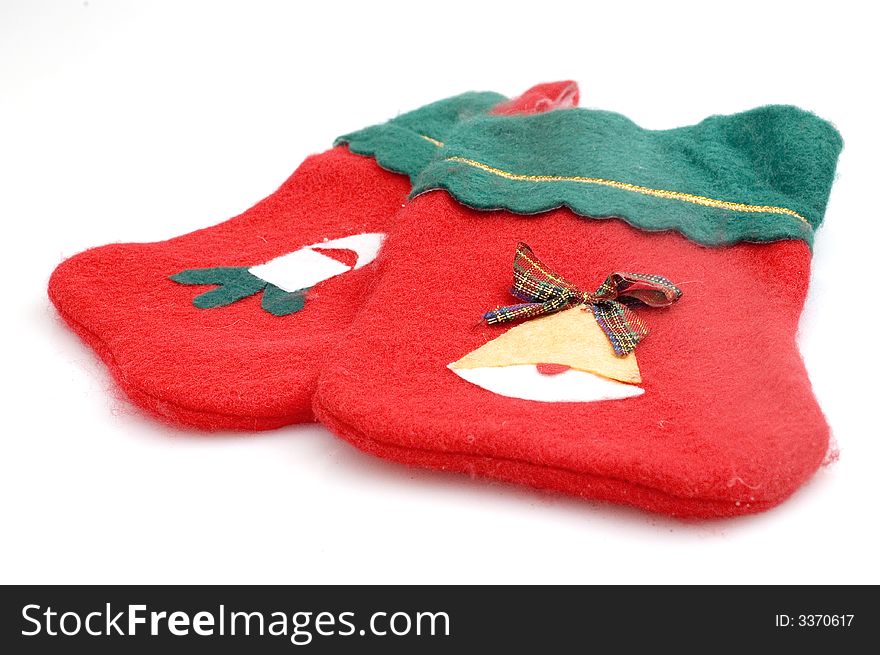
(306, 267)
(300, 269)
(366, 245)
(525, 382)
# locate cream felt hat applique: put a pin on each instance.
(578, 347)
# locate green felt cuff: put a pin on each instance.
(406, 144)
(761, 175)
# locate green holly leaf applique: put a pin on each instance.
(279, 302)
(236, 283)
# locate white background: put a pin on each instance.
(138, 122)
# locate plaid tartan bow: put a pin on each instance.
(547, 293)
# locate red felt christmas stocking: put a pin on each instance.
(224, 328)
(622, 327)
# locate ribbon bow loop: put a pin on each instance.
(652, 290)
(546, 292)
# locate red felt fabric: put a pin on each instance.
(233, 367)
(727, 425)
(238, 367)
(541, 98)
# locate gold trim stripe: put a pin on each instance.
(437, 143)
(647, 191)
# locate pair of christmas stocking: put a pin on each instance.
(225, 328)
(512, 343)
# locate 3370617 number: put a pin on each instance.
(815, 620)
(825, 620)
